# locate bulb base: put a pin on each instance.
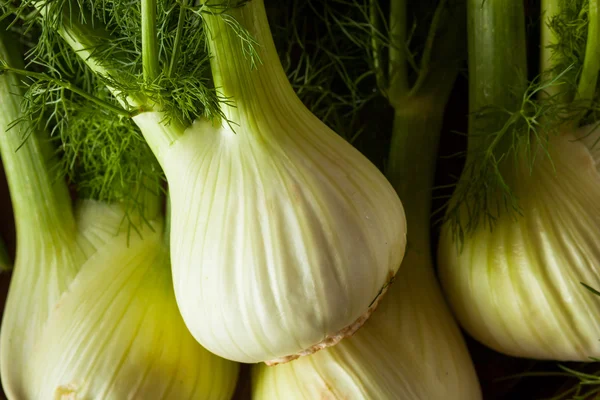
(332, 340)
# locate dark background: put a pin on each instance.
(490, 366)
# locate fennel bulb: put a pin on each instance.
(48, 256)
(514, 278)
(410, 349)
(116, 332)
(90, 314)
(283, 235)
(283, 251)
(517, 288)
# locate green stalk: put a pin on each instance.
(411, 166)
(86, 38)
(586, 88)
(549, 9)
(411, 163)
(497, 66)
(253, 90)
(588, 77)
(425, 63)
(70, 87)
(398, 68)
(41, 203)
(418, 121)
(375, 20)
(48, 258)
(149, 41)
(178, 36)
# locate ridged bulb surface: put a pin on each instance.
(517, 288)
(98, 224)
(117, 333)
(410, 349)
(44, 268)
(282, 235)
(47, 255)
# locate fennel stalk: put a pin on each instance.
(48, 257)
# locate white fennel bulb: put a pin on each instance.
(410, 349)
(282, 249)
(87, 316)
(116, 333)
(517, 288)
(283, 235)
(98, 223)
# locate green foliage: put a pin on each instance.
(102, 152)
(504, 136)
(484, 191)
(568, 53)
(325, 50)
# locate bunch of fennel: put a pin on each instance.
(520, 233)
(91, 312)
(411, 348)
(284, 237)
